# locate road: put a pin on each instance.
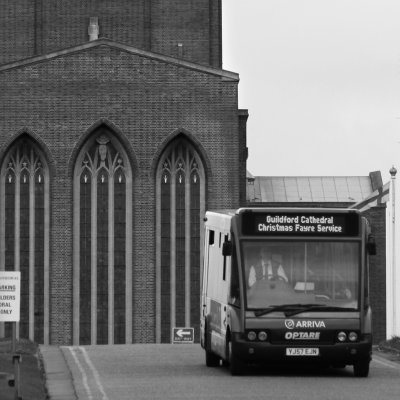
(144, 372)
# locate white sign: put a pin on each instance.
(10, 295)
(182, 335)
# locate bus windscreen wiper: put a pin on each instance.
(317, 307)
(286, 308)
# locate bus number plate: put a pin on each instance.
(301, 351)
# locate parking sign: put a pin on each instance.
(10, 295)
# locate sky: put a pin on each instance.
(321, 82)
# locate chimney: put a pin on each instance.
(180, 50)
(376, 180)
(93, 29)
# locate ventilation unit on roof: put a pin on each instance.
(93, 29)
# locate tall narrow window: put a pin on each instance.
(180, 206)
(102, 238)
(24, 239)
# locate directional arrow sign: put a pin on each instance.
(182, 335)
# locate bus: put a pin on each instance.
(286, 285)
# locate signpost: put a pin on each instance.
(10, 299)
(182, 335)
(10, 295)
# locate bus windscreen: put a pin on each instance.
(301, 273)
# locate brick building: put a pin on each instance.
(118, 129)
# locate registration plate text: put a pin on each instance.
(301, 351)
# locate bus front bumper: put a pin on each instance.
(337, 354)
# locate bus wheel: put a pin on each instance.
(211, 359)
(235, 365)
(361, 369)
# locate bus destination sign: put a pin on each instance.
(300, 224)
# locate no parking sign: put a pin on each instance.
(10, 295)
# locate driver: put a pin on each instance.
(269, 267)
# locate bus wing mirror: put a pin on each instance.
(371, 245)
(227, 248)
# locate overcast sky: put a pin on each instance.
(321, 81)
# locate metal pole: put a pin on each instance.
(16, 361)
(14, 337)
(395, 332)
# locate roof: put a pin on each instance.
(225, 75)
(275, 189)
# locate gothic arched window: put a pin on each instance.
(102, 242)
(24, 235)
(180, 207)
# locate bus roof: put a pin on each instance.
(232, 212)
(296, 209)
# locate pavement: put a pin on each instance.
(59, 382)
(58, 378)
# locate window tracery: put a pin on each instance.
(103, 231)
(180, 205)
(24, 239)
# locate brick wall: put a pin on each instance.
(57, 101)
(32, 27)
(377, 219)
(243, 115)
(65, 22)
(188, 23)
(17, 30)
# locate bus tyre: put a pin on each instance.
(211, 359)
(235, 365)
(361, 369)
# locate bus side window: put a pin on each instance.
(224, 267)
(211, 237)
(234, 295)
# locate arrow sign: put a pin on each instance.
(182, 335)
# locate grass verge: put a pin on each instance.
(392, 344)
(390, 349)
(32, 380)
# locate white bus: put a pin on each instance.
(286, 286)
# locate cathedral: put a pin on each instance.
(118, 129)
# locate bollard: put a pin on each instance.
(17, 358)
(7, 377)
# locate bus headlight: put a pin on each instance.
(251, 335)
(353, 336)
(262, 336)
(342, 336)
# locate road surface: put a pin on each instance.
(144, 372)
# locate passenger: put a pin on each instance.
(269, 267)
